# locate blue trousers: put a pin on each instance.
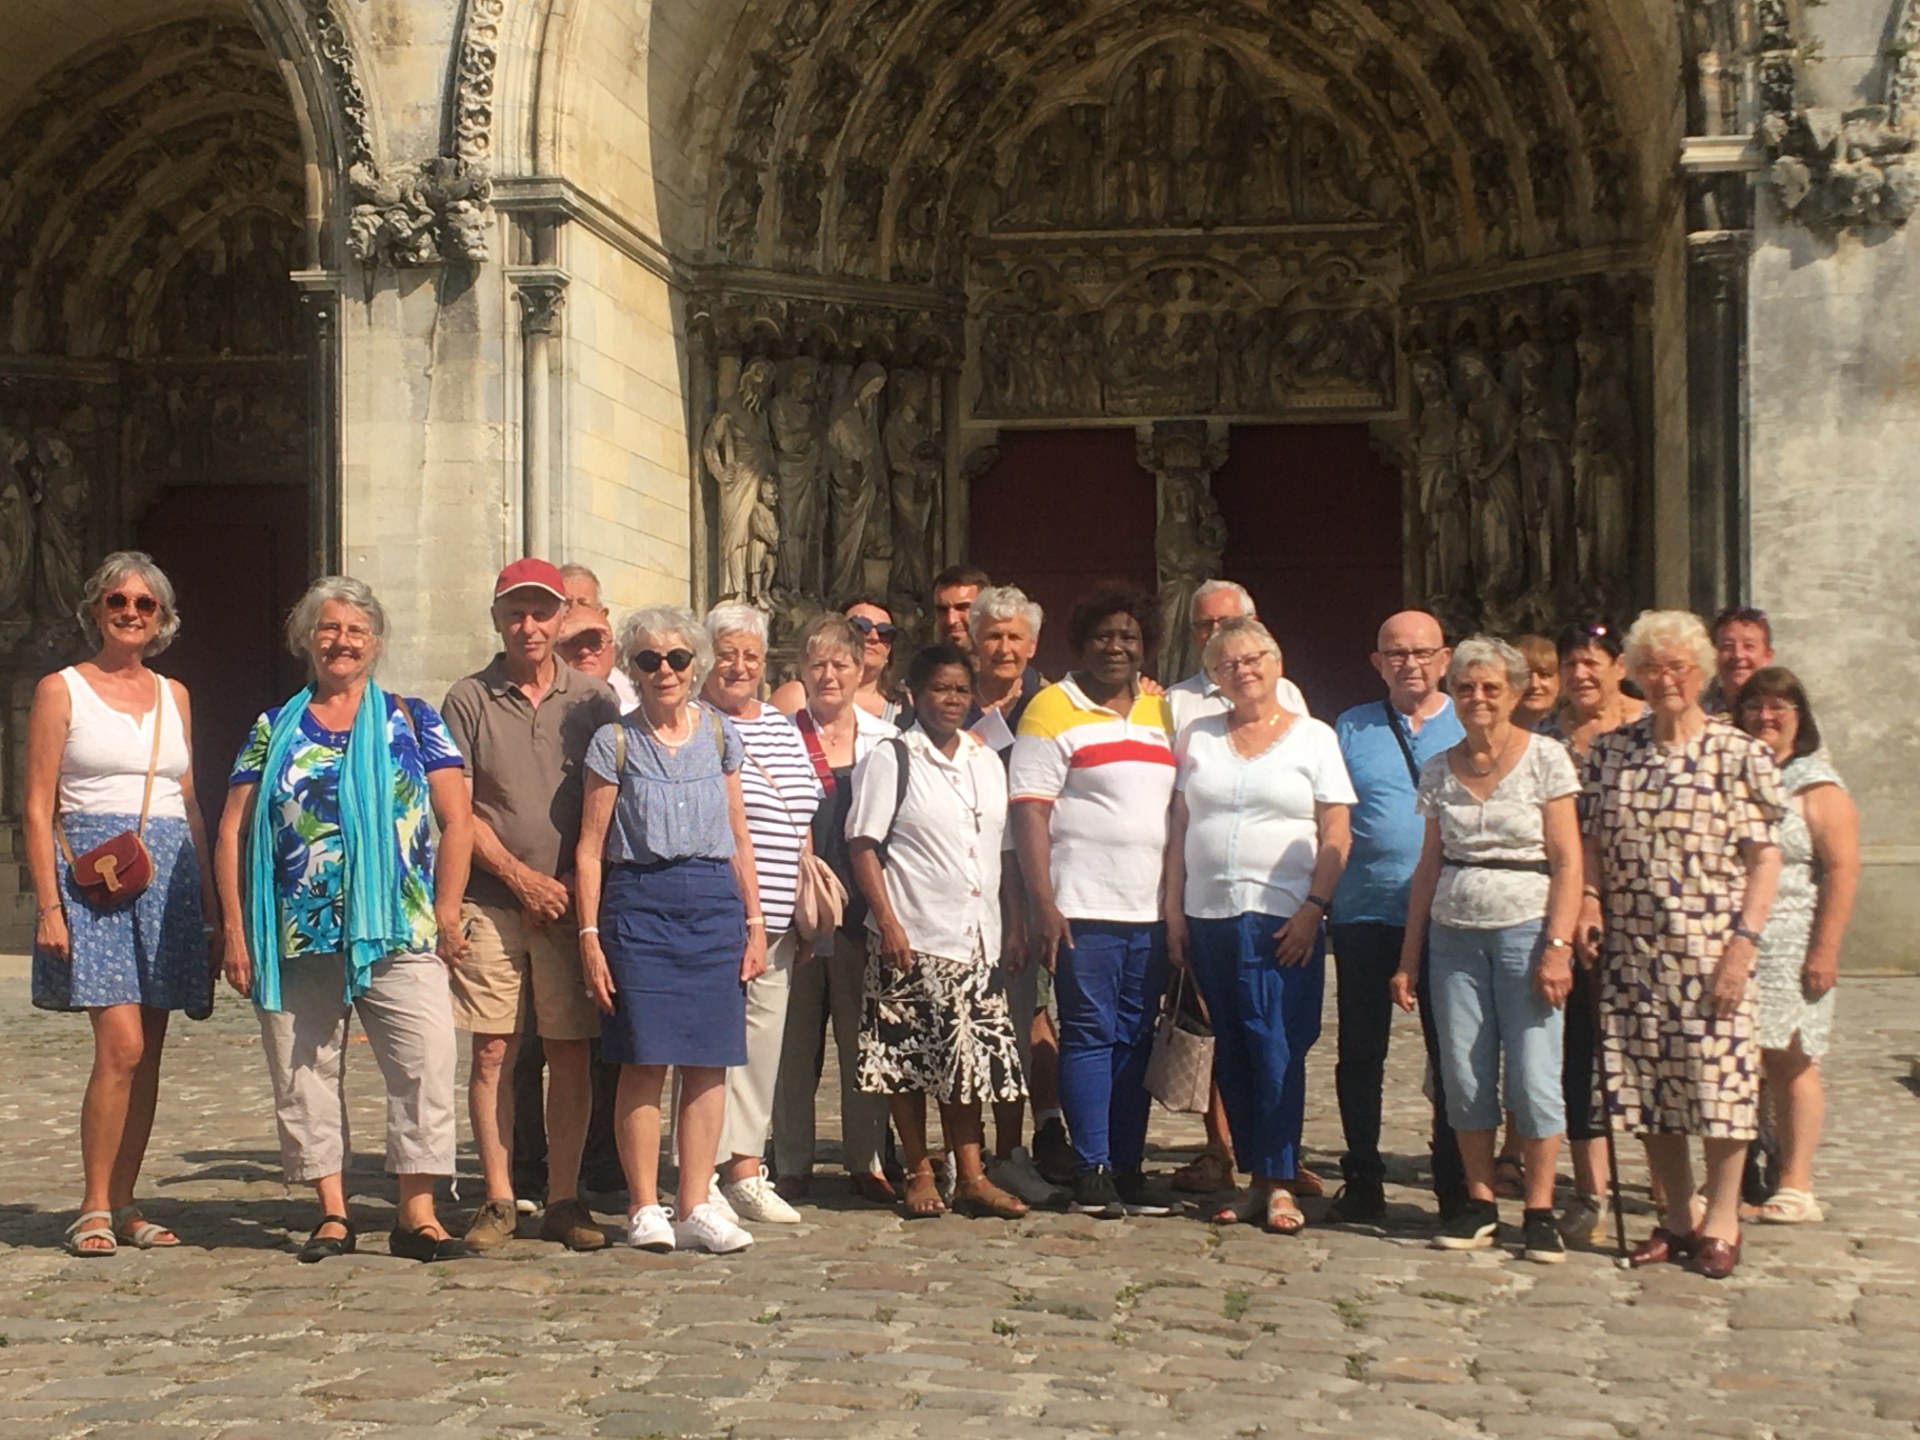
(1266, 1017)
(1108, 988)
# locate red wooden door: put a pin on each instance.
(237, 557)
(1060, 512)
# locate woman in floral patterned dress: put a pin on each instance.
(1681, 813)
(335, 901)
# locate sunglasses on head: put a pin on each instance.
(885, 629)
(120, 600)
(648, 661)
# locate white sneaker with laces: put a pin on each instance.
(717, 1198)
(707, 1229)
(1017, 1176)
(651, 1228)
(755, 1199)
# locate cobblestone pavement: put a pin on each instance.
(858, 1324)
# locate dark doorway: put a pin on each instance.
(1313, 530)
(237, 556)
(1059, 512)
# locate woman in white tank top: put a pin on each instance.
(90, 745)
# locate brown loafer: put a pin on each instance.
(1208, 1173)
(1716, 1258)
(874, 1188)
(494, 1223)
(793, 1187)
(985, 1200)
(569, 1223)
(1664, 1247)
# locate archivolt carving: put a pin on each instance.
(473, 85)
(335, 50)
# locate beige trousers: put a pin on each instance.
(408, 1016)
(838, 980)
(750, 1086)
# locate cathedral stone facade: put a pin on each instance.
(1507, 308)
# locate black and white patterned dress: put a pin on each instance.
(1670, 821)
(942, 1028)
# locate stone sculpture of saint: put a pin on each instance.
(1443, 501)
(1188, 545)
(802, 508)
(16, 530)
(1602, 434)
(903, 437)
(1493, 478)
(763, 544)
(913, 492)
(1546, 478)
(738, 449)
(61, 531)
(856, 465)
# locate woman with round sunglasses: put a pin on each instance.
(873, 624)
(110, 750)
(671, 928)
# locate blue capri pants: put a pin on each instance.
(1485, 1007)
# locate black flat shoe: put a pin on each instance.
(419, 1245)
(324, 1247)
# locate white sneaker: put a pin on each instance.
(1017, 1176)
(717, 1198)
(755, 1199)
(707, 1229)
(651, 1228)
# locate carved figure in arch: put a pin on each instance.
(1602, 469)
(1229, 129)
(913, 492)
(856, 464)
(736, 222)
(1147, 110)
(60, 496)
(738, 450)
(1437, 429)
(1546, 477)
(763, 544)
(916, 224)
(902, 436)
(862, 192)
(1490, 463)
(16, 530)
(801, 503)
(1273, 143)
(1080, 363)
(1188, 547)
(997, 345)
(1326, 176)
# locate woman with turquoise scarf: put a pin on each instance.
(335, 902)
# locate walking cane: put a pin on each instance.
(1606, 1112)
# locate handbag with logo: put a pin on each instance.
(115, 872)
(1180, 1066)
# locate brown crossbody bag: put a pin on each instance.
(115, 871)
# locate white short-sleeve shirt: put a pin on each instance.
(1252, 835)
(943, 859)
(1197, 695)
(1510, 824)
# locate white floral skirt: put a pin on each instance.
(942, 1028)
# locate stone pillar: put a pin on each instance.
(320, 300)
(540, 292)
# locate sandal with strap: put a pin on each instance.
(92, 1242)
(1283, 1216)
(130, 1227)
(325, 1247)
(1787, 1206)
(1509, 1178)
(922, 1200)
(1245, 1208)
(983, 1200)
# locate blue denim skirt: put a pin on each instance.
(673, 933)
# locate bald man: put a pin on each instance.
(1385, 742)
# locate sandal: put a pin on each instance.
(1283, 1216)
(92, 1242)
(1787, 1206)
(922, 1200)
(133, 1228)
(984, 1200)
(1305, 1185)
(1245, 1208)
(1509, 1178)
(325, 1247)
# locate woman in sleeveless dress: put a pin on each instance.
(1798, 961)
(110, 750)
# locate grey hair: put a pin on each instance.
(829, 632)
(348, 591)
(1233, 628)
(580, 572)
(1003, 602)
(1658, 630)
(666, 622)
(117, 567)
(1486, 651)
(737, 620)
(1220, 587)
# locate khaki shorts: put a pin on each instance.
(505, 953)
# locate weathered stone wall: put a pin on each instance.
(1835, 535)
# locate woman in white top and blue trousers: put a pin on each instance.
(1499, 882)
(1259, 838)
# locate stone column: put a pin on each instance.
(320, 302)
(541, 292)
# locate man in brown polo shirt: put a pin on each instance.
(523, 724)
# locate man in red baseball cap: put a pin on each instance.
(523, 725)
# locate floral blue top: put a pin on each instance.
(309, 857)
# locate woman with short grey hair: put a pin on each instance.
(109, 757)
(672, 931)
(337, 900)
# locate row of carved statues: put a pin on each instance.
(44, 513)
(826, 478)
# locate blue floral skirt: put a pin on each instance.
(152, 952)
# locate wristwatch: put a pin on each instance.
(1554, 942)
(1750, 936)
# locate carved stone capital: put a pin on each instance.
(1181, 449)
(541, 294)
(437, 211)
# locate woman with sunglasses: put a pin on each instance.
(838, 735)
(671, 929)
(873, 624)
(110, 750)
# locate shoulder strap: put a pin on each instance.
(719, 735)
(619, 750)
(1406, 750)
(901, 759)
(810, 734)
(774, 785)
(153, 760)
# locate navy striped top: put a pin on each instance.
(782, 792)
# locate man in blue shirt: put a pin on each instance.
(1385, 743)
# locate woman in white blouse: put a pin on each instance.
(1258, 841)
(1499, 882)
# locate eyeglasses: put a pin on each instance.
(1768, 705)
(119, 600)
(1242, 662)
(1410, 657)
(1668, 669)
(886, 630)
(333, 630)
(648, 661)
